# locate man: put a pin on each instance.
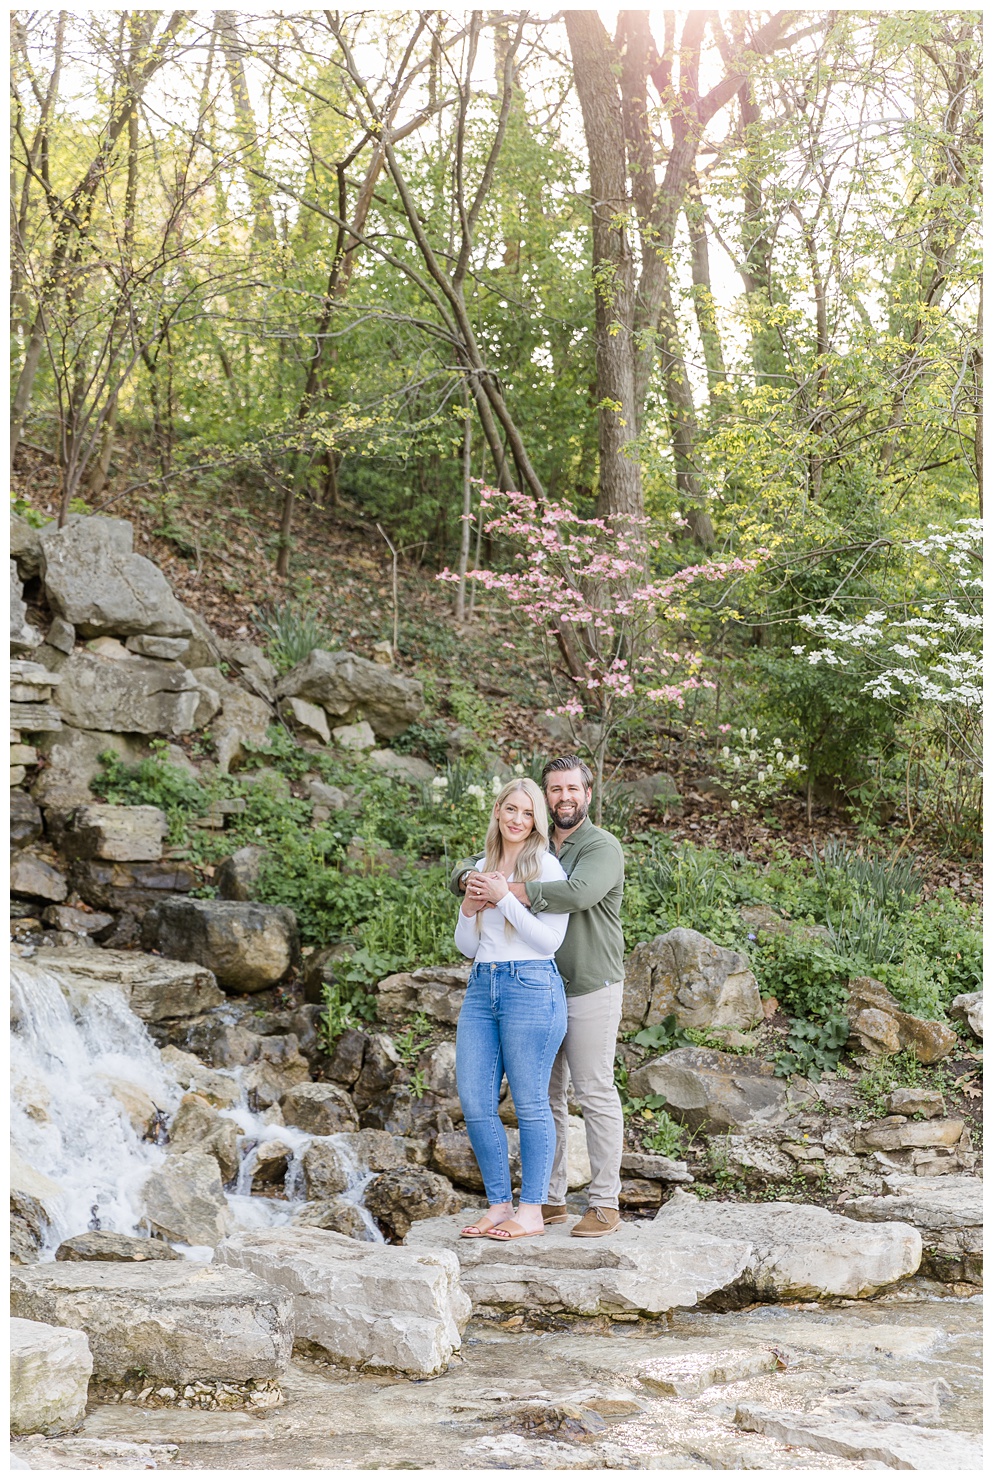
(591, 961)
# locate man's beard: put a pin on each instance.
(576, 812)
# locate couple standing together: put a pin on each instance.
(543, 1003)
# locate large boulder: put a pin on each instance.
(684, 973)
(320, 1109)
(946, 1211)
(124, 695)
(639, 1269)
(350, 688)
(169, 1322)
(362, 1304)
(134, 887)
(25, 546)
(155, 988)
(705, 1087)
(50, 1371)
(72, 757)
(184, 1199)
(798, 1252)
(437, 991)
(325, 1170)
(399, 1199)
(247, 946)
(94, 580)
(880, 1026)
(121, 834)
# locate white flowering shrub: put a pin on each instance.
(756, 772)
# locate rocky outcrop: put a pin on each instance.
(350, 688)
(247, 946)
(362, 1305)
(94, 580)
(968, 1008)
(155, 989)
(899, 1446)
(184, 1199)
(684, 973)
(641, 1268)
(121, 834)
(130, 887)
(73, 759)
(124, 694)
(946, 1211)
(703, 1087)
(798, 1252)
(437, 991)
(880, 1026)
(176, 1323)
(399, 1199)
(50, 1371)
(320, 1109)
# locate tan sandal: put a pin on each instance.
(501, 1232)
(478, 1230)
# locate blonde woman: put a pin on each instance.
(513, 1018)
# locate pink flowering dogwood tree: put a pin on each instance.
(605, 628)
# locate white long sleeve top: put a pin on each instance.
(534, 937)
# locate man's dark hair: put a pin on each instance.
(566, 763)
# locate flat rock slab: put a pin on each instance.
(722, 1091)
(177, 1323)
(898, 1446)
(50, 1371)
(121, 834)
(946, 1211)
(90, 1454)
(365, 1305)
(639, 1269)
(799, 1252)
(155, 988)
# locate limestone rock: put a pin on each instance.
(73, 761)
(380, 1062)
(154, 987)
(884, 1401)
(349, 1049)
(251, 663)
(25, 820)
(307, 717)
(50, 1371)
(143, 1115)
(890, 1445)
(640, 1268)
(61, 635)
(121, 834)
(279, 1068)
(94, 580)
(197, 1126)
(25, 546)
(927, 1102)
(437, 991)
(684, 973)
(203, 648)
(363, 1304)
(320, 1109)
(23, 637)
(402, 767)
(33, 1198)
(658, 1168)
(325, 1172)
(350, 688)
(135, 887)
(799, 1252)
(376, 1150)
(705, 1087)
(115, 1248)
(894, 1137)
(78, 921)
(968, 1008)
(400, 1198)
(946, 1211)
(218, 1089)
(138, 696)
(34, 876)
(336, 1215)
(331, 797)
(238, 876)
(184, 1199)
(171, 1322)
(879, 1025)
(453, 1156)
(247, 946)
(659, 792)
(438, 1068)
(355, 737)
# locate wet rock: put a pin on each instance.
(659, 1168)
(689, 1375)
(141, 1111)
(171, 1322)
(36, 877)
(184, 1199)
(320, 1109)
(94, 580)
(888, 1402)
(310, 718)
(116, 1248)
(33, 1196)
(400, 1198)
(131, 888)
(217, 1088)
(50, 1371)
(154, 988)
(893, 1445)
(350, 688)
(336, 1215)
(927, 1102)
(437, 991)
(364, 1305)
(139, 696)
(25, 820)
(197, 1126)
(704, 1087)
(640, 1268)
(380, 1062)
(247, 946)
(122, 834)
(269, 1171)
(879, 1026)
(237, 877)
(684, 973)
(968, 1008)
(946, 1211)
(799, 1252)
(325, 1170)
(90, 1454)
(277, 1070)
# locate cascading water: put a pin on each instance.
(72, 1045)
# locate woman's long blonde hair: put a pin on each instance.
(528, 865)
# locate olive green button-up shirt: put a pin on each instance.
(592, 954)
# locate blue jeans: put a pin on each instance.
(512, 1021)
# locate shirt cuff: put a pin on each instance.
(536, 900)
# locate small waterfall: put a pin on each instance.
(359, 1177)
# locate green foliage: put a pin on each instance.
(292, 631)
(414, 1039)
(22, 507)
(891, 883)
(472, 710)
(663, 1036)
(899, 1071)
(346, 1005)
(430, 739)
(812, 1048)
(666, 1136)
(153, 782)
(806, 979)
(864, 931)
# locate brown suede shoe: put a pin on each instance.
(555, 1212)
(595, 1222)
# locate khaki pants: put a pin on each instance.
(587, 1058)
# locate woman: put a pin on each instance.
(513, 1018)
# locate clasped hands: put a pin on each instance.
(484, 891)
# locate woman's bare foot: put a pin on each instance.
(529, 1216)
(495, 1213)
